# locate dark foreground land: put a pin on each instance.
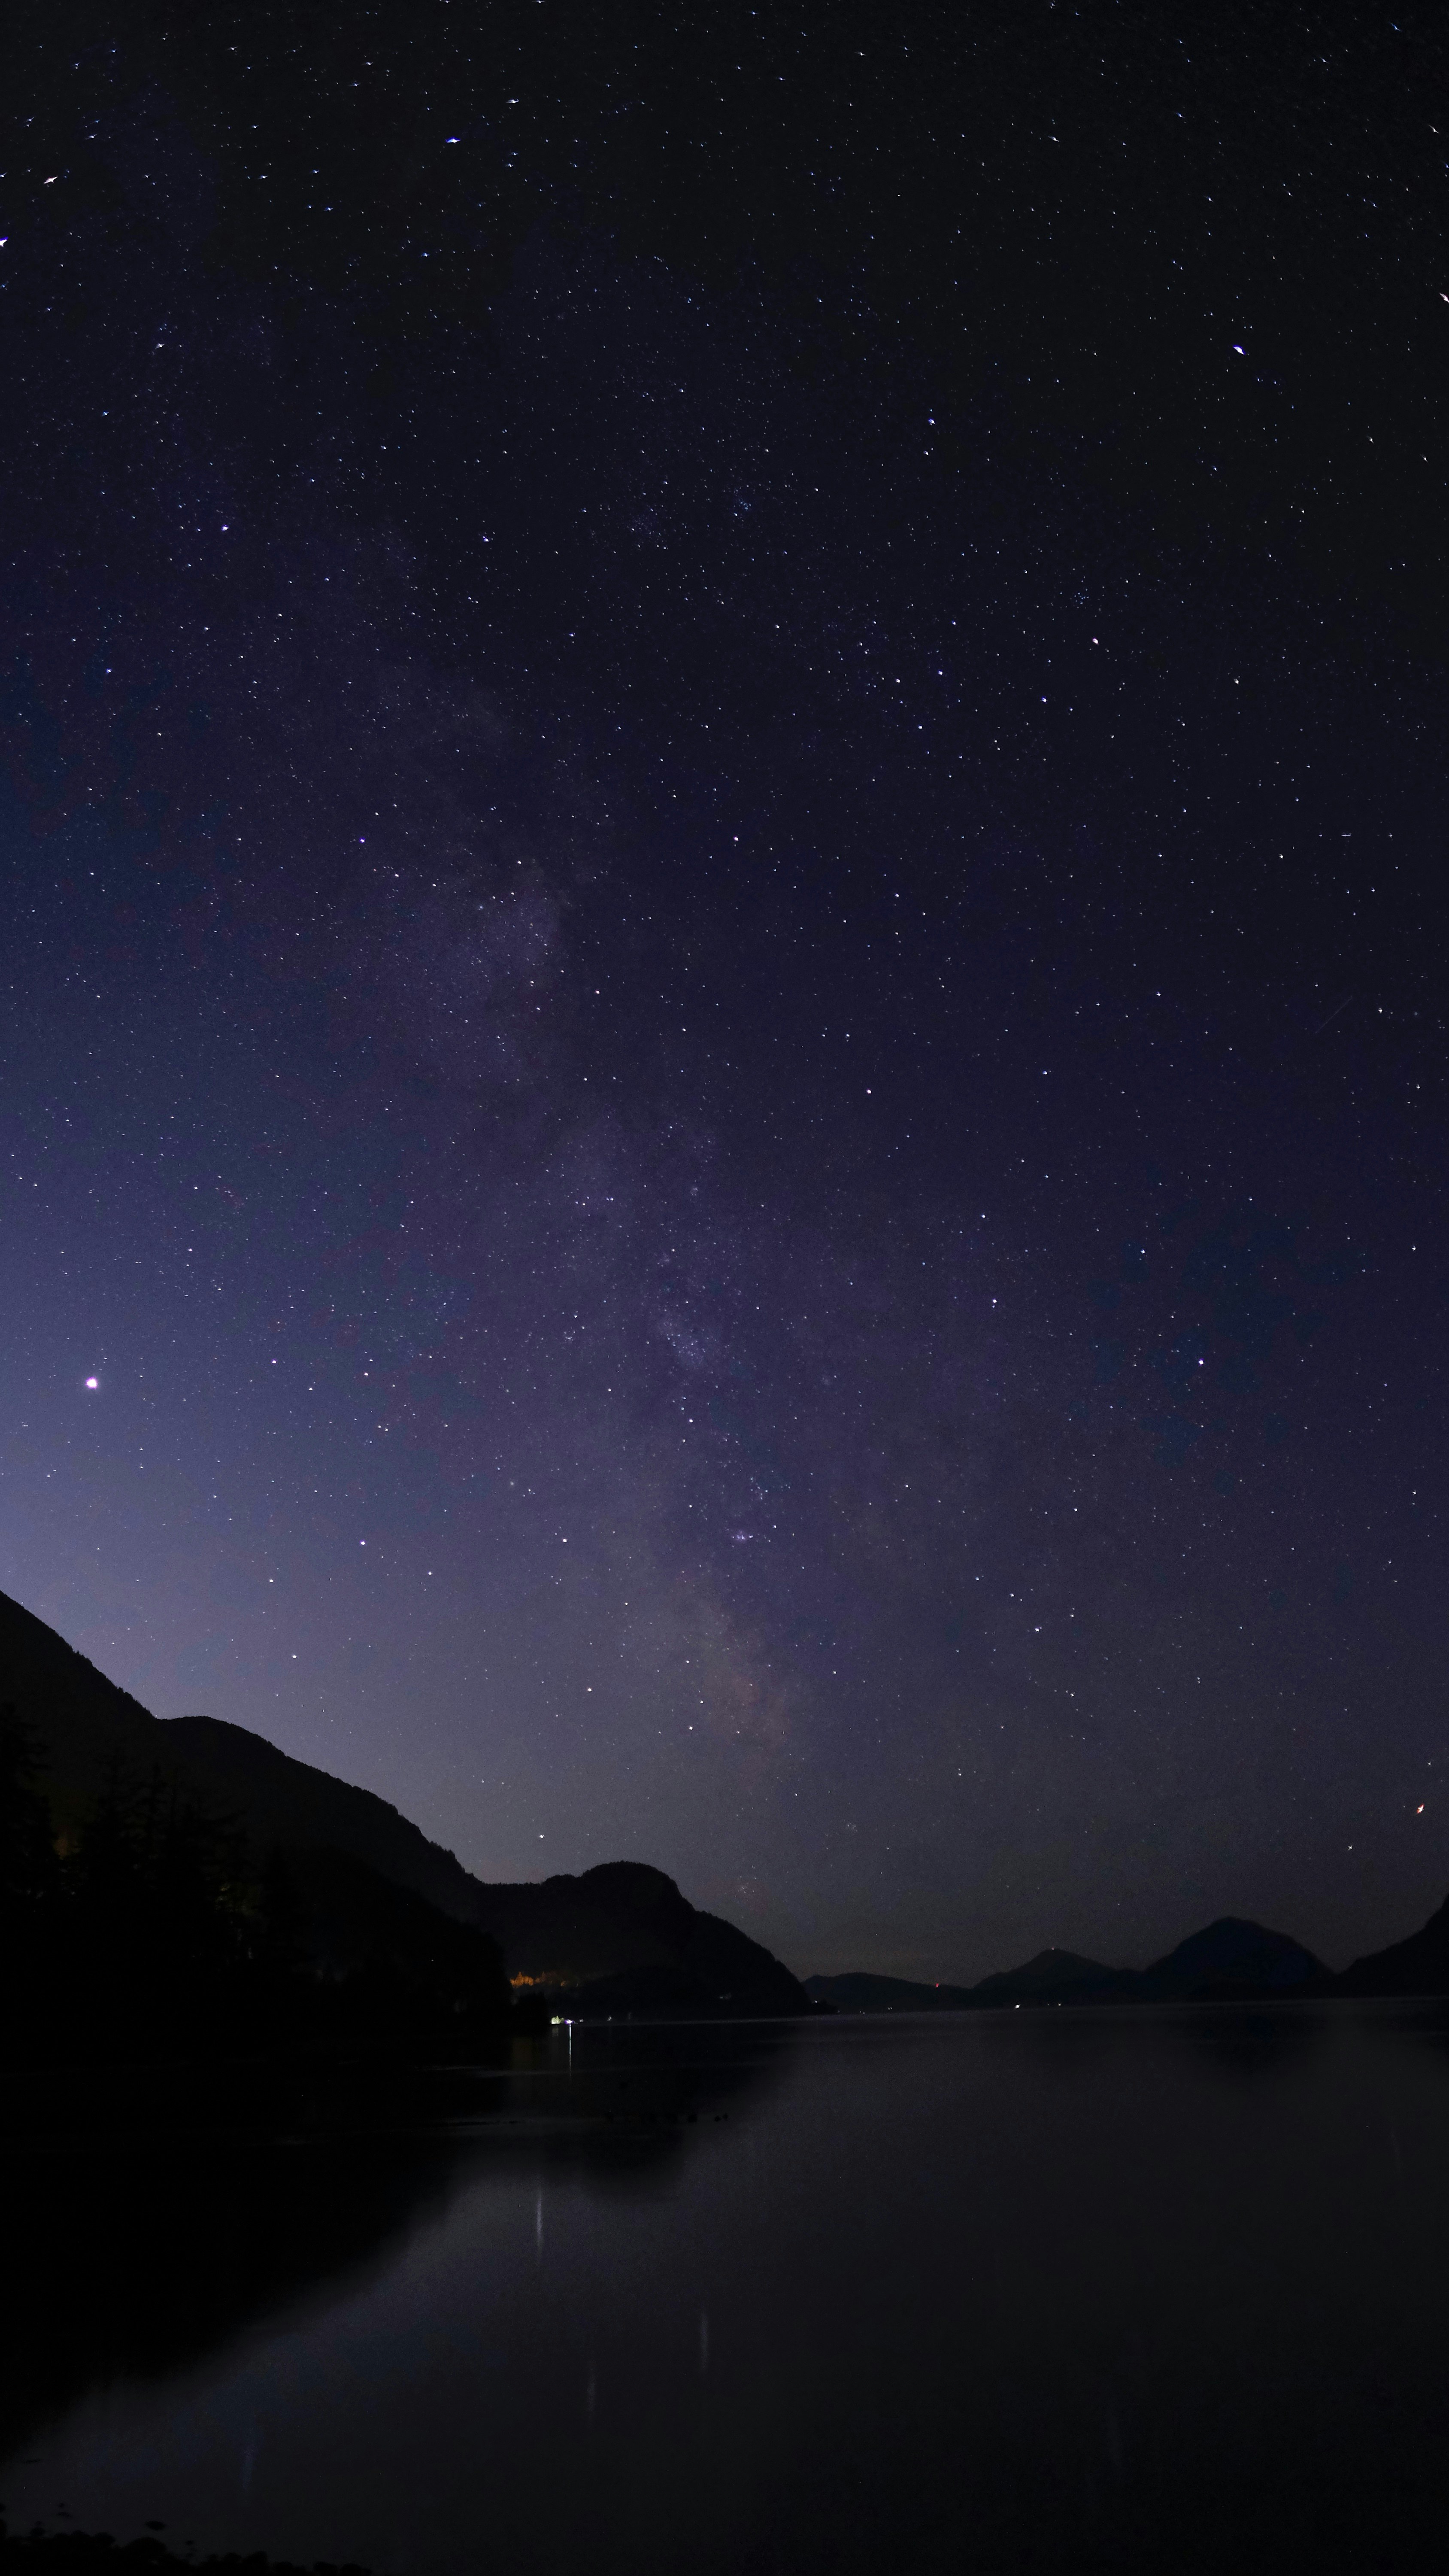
(92, 2553)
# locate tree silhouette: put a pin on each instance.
(29, 1866)
(157, 1934)
(32, 1894)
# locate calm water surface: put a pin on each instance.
(1036, 2291)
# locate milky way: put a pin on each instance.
(723, 1058)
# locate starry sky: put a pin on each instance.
(723, 833)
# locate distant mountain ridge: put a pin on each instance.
(619, 1937)
(1227, 1962)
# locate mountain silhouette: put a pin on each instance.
(1053, 1976)
(618, 1938)
(1232, 1956)
(293, 1806)
(1228, 1961)
(621, 1934)
(1417, 1966)
(858, 1991)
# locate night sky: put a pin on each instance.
(723, 973)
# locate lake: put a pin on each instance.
(1028, 2291)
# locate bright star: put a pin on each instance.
(93, 1383)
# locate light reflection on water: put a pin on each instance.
(1048, 2291)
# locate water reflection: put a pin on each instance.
(1068, 2292)
(132, 2248)
(131, 2260)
